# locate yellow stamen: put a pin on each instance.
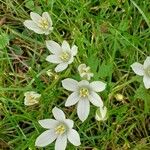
(64, 56)
(60, 129)
(84, 92)
(43, 24)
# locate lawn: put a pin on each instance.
(110, 35)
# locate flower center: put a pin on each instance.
(65, 56)
(84, 92)
(60, 129)
(31, 98)
(43, 24)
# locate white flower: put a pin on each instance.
(143, 70)
(101, 114)
(83, 93)
(39, 24)
(85, 72)
(31, 98)
(60, 129)
(62, 55)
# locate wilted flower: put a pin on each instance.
(83, 93)
(31, 98)
(39, 24)
(85, 72)
(101, 114)
(62, 55)
(143, 70)
(59, 129)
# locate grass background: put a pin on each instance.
(110, 35)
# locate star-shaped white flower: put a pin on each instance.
(62, 55)
(60, 129)
(39, 24)
(101, 114)
(143, 70)
(31, 98)
(83, 93)
(85, 71)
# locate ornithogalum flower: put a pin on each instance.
(31, 98)
(62, 55)
(85, 71)
(60, 129)
(83, 93)
(101, 114)
(39, 24)
(143, 70)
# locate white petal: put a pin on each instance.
(147, 63)
(95, 99)
(61, 67)
(101, 114)
(138, 68)
(81, 67)
(61, 142)
(74, 138)
(48, 123)
(70, 84)
(32, 26)
(45, 138)
(70, 60)
(53, 59)
(104, 111)
(58, 114)
(35, 17)
(146, 80)
(72, 99)
(47, 16)
(83, 109)
(53, 47)
(65, 46)
(74, 50)
(84, 83)
(98, 86)
(69, 123)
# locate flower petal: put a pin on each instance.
(61, 67)
(83, 109)
(83, 83)
(48, 123)
(70, 84)
(72, 99)
(95, 99)
(138, 68)
(35, 17)
(47, 16)
(61, 142)
(69, 123)
(74, 138)
(45, 138)
(74, 50)
(101, 114)
(32, 26)
(53, 47)
(98, 86)
(146, 80)
(70, 60)
(104, 111)
(53, 59)
(147, 63)
(58, 114)
(65, 46)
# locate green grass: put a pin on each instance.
(110, 35)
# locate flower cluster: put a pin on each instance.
(83, 93)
